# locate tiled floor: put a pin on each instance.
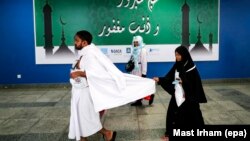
(42, 114)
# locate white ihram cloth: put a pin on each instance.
(108, 86)
(84, 121)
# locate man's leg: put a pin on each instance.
(137, 103)
(151, 99)
(108, 134)
(101, 113)
(83, 139)
(164, 138)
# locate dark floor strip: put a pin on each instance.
(236, 96)
(33, 104)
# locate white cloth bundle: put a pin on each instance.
(79, 82)
(179, 92)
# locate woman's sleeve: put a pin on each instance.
(166, 82)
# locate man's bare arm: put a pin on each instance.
(77, 74)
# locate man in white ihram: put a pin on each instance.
(97, 85)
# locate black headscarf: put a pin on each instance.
(186, 61)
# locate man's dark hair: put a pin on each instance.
(85, 35)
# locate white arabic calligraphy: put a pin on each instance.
(151, 4)
(157, 30)
(146, 27)
(115, 29)
(136, 2)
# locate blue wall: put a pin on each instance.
(17, 55)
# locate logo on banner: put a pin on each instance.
(128, 50)
(154, 51)
(104, 50)
(116, 51)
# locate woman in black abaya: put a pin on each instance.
(187, 114)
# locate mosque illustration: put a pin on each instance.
(63, 50)
(198, 48)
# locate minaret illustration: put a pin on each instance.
(199, 47)
(185, 25)
(210, 42)
(48, 45)
(63, 50)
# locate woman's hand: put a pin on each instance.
(156, 79)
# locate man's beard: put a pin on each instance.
(78, 48)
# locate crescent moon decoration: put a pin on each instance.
(198, 20)
(63, 23)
